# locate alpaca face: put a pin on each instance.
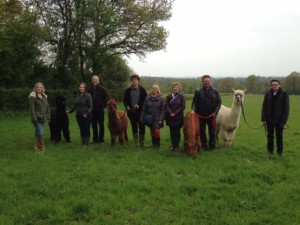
(238, 96)
(112, 105)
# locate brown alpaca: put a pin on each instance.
(117, 123)
(191, 131)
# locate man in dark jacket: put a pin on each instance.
(275, 112)
(134, 98)
(100, 96)
(206, 103)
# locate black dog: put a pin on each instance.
(59, 121)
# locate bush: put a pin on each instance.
(17, 99)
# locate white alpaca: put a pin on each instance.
(228, 119)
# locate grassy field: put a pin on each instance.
(128, 185)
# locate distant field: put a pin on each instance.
(128, 185)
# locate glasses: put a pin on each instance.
(274, 84)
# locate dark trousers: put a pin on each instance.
(211, 133)
(84, 124)
(98, 119)
(279, 138)
(136, 125)
(175, 136)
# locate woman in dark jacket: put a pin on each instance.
(154, 105)
(40, 113)
(275, 112)
(83, 107)
(175, 105)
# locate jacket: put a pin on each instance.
(275, 109)
(127, 100)
(175, 105)
(153, 106)
(100, 96)
(39, 108)
(206, 102)
(83, 105)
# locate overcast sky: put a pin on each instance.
(228, 38)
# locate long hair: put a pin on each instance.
(85, 88)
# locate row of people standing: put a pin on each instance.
(138, 104)
(86, 114)
(206, 102)
(90, 104)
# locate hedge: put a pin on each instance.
(17, 99)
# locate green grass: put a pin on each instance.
(129, 185)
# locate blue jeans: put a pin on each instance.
(39, 130)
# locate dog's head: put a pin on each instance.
(112, 105)
(60, 101)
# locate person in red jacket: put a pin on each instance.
(274, 115)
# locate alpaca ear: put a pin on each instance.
(233, 89)
(245, 89)
(116, 99)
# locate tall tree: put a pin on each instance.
(20, 37)
(84, 33)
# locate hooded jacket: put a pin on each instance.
(39, 108)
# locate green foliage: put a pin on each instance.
(17, 99)
(20, 35)
(292, 83)
(239, 185)
(226, 84)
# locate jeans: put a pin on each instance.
(84, 124)
(39, 130)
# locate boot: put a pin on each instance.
(142, 140)
(42, 144)
(135, 138)
(82, 141)
(158, 143)
(153, 142)
(86, 141)
(36, 145)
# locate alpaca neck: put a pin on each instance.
(235, 112)
(112, 115)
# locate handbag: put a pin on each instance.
(148, 119)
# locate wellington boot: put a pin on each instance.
(158, 143)
(86, 141)
(42, 144)
(36, 145)
(136, 138)
(142, 141)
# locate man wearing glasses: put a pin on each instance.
(275, 112)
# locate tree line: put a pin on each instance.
(254, 84)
